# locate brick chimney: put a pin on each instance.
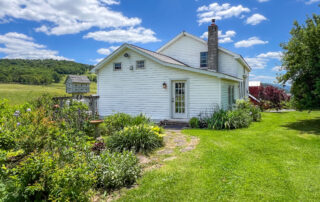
(213, 46)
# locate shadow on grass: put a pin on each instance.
(311, 126)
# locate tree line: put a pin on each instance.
(38, 72)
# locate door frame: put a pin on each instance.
(172, 94)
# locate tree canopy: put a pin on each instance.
(38, 72)
(301, 61)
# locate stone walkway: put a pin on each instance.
(175, 142)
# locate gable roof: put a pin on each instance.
(78, 79)
(163, 60)
(236, 56)
(160, 56)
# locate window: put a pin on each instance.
(117, 66)
(231, 96)
(204, 59)
(140, 64)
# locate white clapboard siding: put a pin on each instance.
(187, 50)
(141, 90)
(228, 65)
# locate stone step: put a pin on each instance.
(175, 123)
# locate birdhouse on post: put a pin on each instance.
(77, 85)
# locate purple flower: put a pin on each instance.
(16, 113)
(18, 124)
(28, 110)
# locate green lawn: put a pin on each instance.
(19, 93)
(277, 159)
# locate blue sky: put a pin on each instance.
(89, 30)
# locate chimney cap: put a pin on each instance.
(213, 22)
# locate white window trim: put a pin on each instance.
(144, 64)
(206, 60)
(114, 66)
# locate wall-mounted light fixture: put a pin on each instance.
(164, 85)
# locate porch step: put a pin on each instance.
(174, 123)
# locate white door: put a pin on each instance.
(179, 94)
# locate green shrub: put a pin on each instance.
(115, 170)
(41, 177)
(6, 140)
(141, 138)
(194, 122)
(238, 119)
(115, 122)
(253, 110)
(118, 121)
(218, 120)
(255, 113)
(241, 117)
(28, 182)
(72, 182)
(140, 119)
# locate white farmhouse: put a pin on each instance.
(183, 78)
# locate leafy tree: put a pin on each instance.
(38, 72)
(302, 63)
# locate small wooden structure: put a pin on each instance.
(77, 85)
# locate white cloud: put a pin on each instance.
(277, 69)
(66, 16)
(312, 1)
(255, 19)
(249, 42)
(111, 2)
(219, 12)
(107, 51)
(261, 60)
(98, 60)
(131, 35)
(262, 1)
(272, 55)
(17, 45)
(223, 38)
(263, 78)
(257, 63)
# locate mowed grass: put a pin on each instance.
(19, 93)
(277, 159)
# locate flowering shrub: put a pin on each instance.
(48, 153)
(142, 138)
(98, 146)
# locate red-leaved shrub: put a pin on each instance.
(270, 96)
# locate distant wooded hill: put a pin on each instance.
(38, 72)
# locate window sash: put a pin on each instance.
(140, 64)
(231, 95)
(117, 66)
(203, 59)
